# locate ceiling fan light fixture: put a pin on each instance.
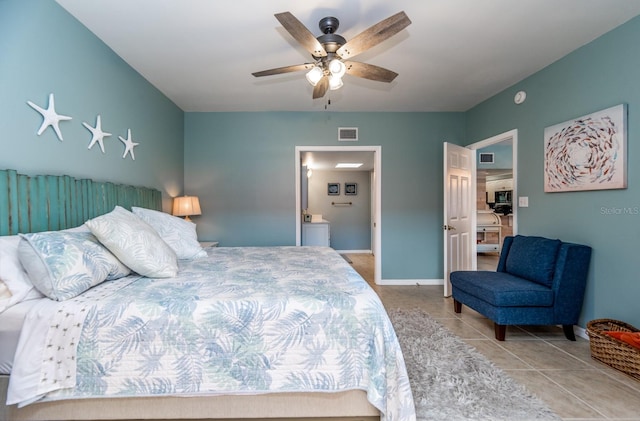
(314, 75)
(337, 68)
(330, 49)
(335, 82)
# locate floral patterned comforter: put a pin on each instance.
(241, 321)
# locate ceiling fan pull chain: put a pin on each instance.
(327, 104)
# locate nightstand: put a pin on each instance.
(208, 244)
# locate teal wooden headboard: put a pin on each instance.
(50, 203)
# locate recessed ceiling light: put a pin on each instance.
(349, 165)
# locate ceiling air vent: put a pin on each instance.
(486, 157)
(347, 134)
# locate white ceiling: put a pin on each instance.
(454, 55)
(327, 160)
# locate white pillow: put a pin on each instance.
(63, 265)
(179, 234)
(135, 243)
(13, 275)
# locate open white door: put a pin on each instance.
(459, 215)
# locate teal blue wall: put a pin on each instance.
(45, 50)
(599, 75)
(242, 167)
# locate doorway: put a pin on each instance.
(496, 189)
(376, 151)
(465, 247)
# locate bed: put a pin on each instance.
(229, 333)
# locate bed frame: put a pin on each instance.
(51, 203)
(48, 203)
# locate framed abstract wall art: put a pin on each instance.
(587, 153)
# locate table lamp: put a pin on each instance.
(186, 206)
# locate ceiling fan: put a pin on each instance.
(332, 53)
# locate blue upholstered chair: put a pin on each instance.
(538, 281)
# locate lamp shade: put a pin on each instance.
(314, 75)
(335, 82)
(337, 68)
(186, 206)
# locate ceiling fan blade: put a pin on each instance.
(301, 34)
(374, 35)
(370, 71)
(321, 87)
(286, 69)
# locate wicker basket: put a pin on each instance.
(611, 351)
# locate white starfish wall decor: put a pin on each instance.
(128, 145)
(50, 117)
(98, 134)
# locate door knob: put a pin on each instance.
(448, 227)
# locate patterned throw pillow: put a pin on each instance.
(12, 272)
(179, 234)
(63, 265)
(135, 243)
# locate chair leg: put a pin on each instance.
(500, 331)
(568, 332)
(457, 306)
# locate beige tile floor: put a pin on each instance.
(560, 372)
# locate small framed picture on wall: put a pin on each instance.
(350, 189)
(333, 189)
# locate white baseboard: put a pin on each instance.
(411, 282)
(582, 332)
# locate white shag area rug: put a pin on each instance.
(452, 381)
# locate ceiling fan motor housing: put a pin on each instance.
(329, 39)
(331, 42)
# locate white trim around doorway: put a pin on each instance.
(377, 190)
